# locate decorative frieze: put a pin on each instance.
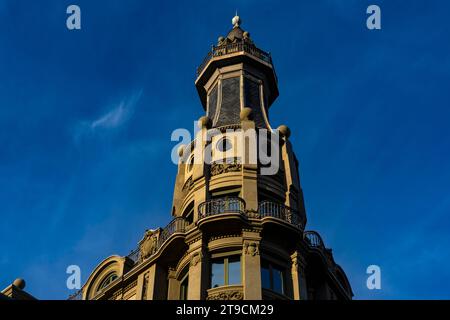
(226, 295)
(219, 168)
(223, 237)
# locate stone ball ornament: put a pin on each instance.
(284, 131)
(19, 283)
(245, 113)
(203, 122)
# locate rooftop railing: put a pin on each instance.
(218, 51)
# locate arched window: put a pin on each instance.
(191, 163)
(184, 284)
(188, 213)
(107, 280)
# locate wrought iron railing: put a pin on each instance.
(314, 240)
(77, 295)
(221, 205)
(177, 225)
(279, 211)
(134, 255)
(222, 50)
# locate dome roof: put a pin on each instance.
(236, 33)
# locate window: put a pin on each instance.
(191, 163)
(225, 271)
(107, 280)
(224, 145)
(273, 277)
(189, 213)
(184, 287)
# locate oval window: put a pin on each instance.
(224, 145)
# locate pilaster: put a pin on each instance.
(251, 266)
(298, 277)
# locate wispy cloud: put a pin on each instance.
(116, 116)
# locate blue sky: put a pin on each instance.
(86, 118)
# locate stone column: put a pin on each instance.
(200, 167)
(249, 162)
(298, 277)
(251, 266)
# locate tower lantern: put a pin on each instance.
(237, 74)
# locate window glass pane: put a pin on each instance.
(265, 276)
(110, 278)
(278, 280)
(184, 289)
(234, 270)
(217, 274)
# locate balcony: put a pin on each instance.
(279, 211)
(177, 225)
(237, 205)
(218, 51)
(221, 206)
(314, 240)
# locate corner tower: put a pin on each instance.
(238, 220)
(236, 74)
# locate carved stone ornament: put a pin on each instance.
(219, 168)
(196, 258)
(226, 295)
(251, 248)
(148, 244)
(252, 213)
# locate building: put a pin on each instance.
(238, 220)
